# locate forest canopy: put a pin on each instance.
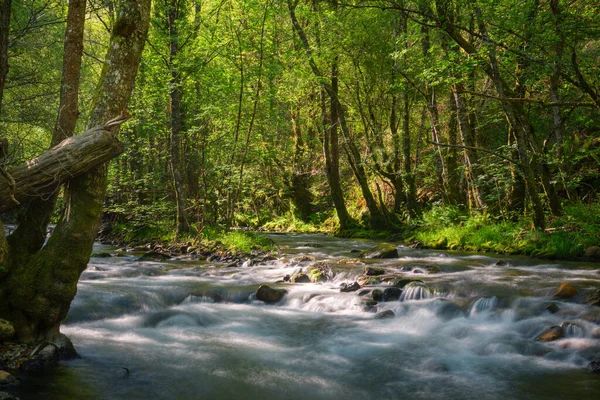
(326, 115)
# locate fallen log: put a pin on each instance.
(73, 156)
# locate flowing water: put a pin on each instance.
(186, 329)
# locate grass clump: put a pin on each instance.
(566, 237)
(238, 240)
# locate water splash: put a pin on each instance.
(483, 305)
(416, 291)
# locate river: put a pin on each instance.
(185, 329)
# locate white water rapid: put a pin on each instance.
(188, 329)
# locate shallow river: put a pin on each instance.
(198, 333)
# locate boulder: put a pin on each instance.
(550, 335)
(594, 367)
(593, 252)
(385, 314)
(349, 287)
(320, 272)
(66, 350)
(391, 294)
(377, 295)
(565, 291)
(45, 355)
(369, 280)
(380, 251)
(269, 295)
(300, 277)
(374, 271)
(8, 381)
(7, 330)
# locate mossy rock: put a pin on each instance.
(369, 280)
(300, 277)
(401, 282)
(381, 251)
(7, 330)
(320, 272)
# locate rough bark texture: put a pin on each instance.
(176, 95)
(41, 176)
(31, 233)
(36, 295)
(5, 6)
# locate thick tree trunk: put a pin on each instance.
(31, 233)
(176, 94)
(36, 296)
(5, 7)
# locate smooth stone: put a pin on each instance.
(377, 295)
(385, 314)
(550, 335)
(374, 271)
(269, 295)
(391, 294)
(349, 287)
(551, 308)
(565, 291)
(300, 277)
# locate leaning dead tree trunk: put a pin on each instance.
(72, 157)
(36, 292)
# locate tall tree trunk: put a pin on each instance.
(5, 8)
(330, 135)
(31, 233)
(473, 169)
(176, 95)
(36, 295)
(411, 196)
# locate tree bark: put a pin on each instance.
(41, 176)
(5, 7)
(31, 232)
(176, 94)
(36, 296)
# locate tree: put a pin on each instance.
(37, 289)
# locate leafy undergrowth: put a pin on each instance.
(132, 235)
(566, 237)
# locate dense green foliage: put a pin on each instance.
(462, 124)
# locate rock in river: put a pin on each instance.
(385, 314)
(374, 271)
(349, 287)
(565, 291)
(594, 367)
(381, 251)
(391, 294)
(550, 335)
(269, 295)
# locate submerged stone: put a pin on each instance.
(385, 314)
(550, 335)
(380, 251)
(349, 287)
(552, 308)
(374, 271)
(565, 291)
(391, 294)
(400, 283)
(269, 295)
(594, 298)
